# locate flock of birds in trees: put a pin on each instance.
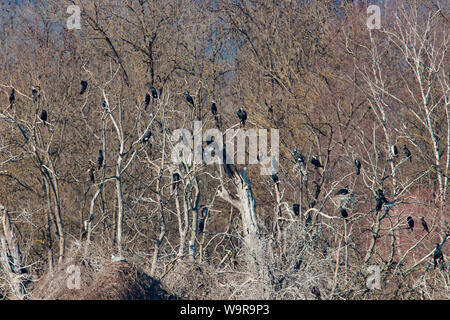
(381, 201)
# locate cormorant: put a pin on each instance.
(91, 175)
(410, 223)
(100, 159)
(296, 209)
(315, 291)
(201, 224)
(35, 94)
(424, 224)
(438, 256)
(147, 100)
(298, 157)
(407, 152)
(315, 161)
(276, 180)
(154, 93)
(342, 191)
(189, 98)
(242, 115)
(214, 108)
(380, 199)
(344, 212)
(394, 150)
(104, 104)
(357, 167)
(44, 116)
(147, 136)
(175, 179)
(84, 85)
(12, 98)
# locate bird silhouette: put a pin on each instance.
(424, 224)
(147, 136)
(276, 180)
(84, 85)
(315, 291)
(44, 116)
(438, 256)
(242, 115)
(298, 157)
(100, 159)
(214, 108)
(35, 94)
(154, 93)
(175, 180)
(344, 212)
(91, 175)
(189, 98)
(12, 98)
(316, 162)
(394, 150)
(357, 167)
(380, 199)
(342, 191)
(407, 152)
(410, 221)
(147, 100)
(296, 209)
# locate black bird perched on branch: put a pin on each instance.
(357, 167)
(296, 209)
(424, 224)
(84, 85)
(315, 291)
(44, 116)
(154, 93)
(100, 159)
(147, 136)
(91, 175)
(394, 150)
(12, 98)
(380, 199)
(410, 223)
(315, 161)
(214, 108)
(201, 225)
(175, 180)
(35, 94)
(407, 152)
(104, 104)
(344, 212)
(438, 256)
(276, 180)
(242, 115)
(189, 98)
(342, 191)
(298, 157)
(147, 100)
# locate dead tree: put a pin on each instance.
(11, 258)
